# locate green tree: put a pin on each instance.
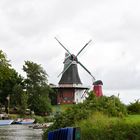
(8, 79)
(36, 75)
(37, 88)
(24, 100)
(53, 96)
(4, 69)
(19, 98)
(134, 108)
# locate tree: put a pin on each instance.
(19, 98)
(37, 88)
(4, 68)
(24, 100)
(53, 96)
(36, 75)
(8, 79)
(134, 108)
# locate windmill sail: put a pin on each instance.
(70, 73)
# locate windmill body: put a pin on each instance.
(70, 89)
(71, 75)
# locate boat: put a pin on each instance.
(24, 121)
(5, 122)
(42, 126)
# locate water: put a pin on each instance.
(20, 132)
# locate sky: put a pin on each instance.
(28, 28)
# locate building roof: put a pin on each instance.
(70, 87)
(98, 82)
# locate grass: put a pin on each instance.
(132, 119)
(100, 126)
(60, 108)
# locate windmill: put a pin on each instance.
(70, 89)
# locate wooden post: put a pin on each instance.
(8, 99)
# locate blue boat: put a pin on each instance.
(5, 122)
(24, 121)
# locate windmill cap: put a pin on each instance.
(98, 82)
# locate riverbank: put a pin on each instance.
(38, 119)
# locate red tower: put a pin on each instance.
(97, 88)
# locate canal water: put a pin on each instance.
(20, 132)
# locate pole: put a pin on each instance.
(8, 100)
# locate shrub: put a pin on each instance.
(82, 111)
(134, 108)
(109, 105)
(100, 126)
(49, 118)
(13, 116)
(39, 119)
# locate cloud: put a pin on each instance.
(28, 29)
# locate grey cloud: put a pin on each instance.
(28, 28)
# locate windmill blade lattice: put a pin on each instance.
(86, 70)
(65, 69)
(83, 47)
(73, 58)
(62, 46)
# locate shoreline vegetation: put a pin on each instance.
(100, 118)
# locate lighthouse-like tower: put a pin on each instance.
(97, 88)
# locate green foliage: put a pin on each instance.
(134, 108)
(41, 105)
(16, 97)
(132, 119)
(8, 79)
(99, 126)
(43, 119)
(12, 85)
(3, 59)
(39, 119)
(24, 105)
(53, 96)
(36, 75)
(82, 111)
(5, 74)
(49, 118)
(14, 116)
(37, 88)
(109, 105)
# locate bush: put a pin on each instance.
(134, 108)
(13, 116)
(39, 119)
(49, 118)
(102, 127)
(109, 105)
(82, 111)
